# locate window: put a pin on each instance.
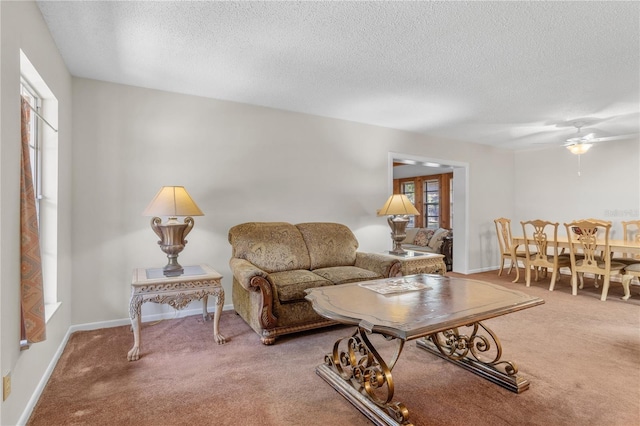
(35, 149)
(409, 189)
(431, 209)
(44, 163)
(432, 196)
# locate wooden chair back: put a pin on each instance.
(544, 236)
(503, 229)
(583, 240)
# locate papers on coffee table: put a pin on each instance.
(399, 285)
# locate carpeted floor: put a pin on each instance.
(582, 357)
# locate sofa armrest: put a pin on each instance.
(379, 263)
(244, 271)
(253, 278)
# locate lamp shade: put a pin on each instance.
(579, 148)
(172, 201)
(398, 204)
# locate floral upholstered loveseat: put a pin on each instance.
(273, 263)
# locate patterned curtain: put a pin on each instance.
(31, 288)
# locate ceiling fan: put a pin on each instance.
(576, 131)
(581, 142)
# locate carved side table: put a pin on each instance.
(415, 262)
(196, 283)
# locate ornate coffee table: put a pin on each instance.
(444, 313)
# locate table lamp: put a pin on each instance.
(172, 201)
(397, 208)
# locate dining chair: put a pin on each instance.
(631, 270)
(630, 232)
(543, 235)
(583, 240)
(507, 251)
(580, 255)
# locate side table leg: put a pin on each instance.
(134, 314)
(205, 314)
(216, 318)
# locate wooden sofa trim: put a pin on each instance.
(267, 319)
(268, 336)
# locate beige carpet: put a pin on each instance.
(582, 357)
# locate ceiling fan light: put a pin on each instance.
(579, 148)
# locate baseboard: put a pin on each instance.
(24, 418)
(485, 269)
(563, 271)
(28, 409)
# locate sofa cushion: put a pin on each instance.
(422, 237)
(634, 267)
(436, 241)
(346, 274)
(290, 285)
(271, 246)
(329, 244)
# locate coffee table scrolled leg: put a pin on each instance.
(478, 350)
(356, 365)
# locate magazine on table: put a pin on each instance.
(398, 285)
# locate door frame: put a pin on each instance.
(460, 201)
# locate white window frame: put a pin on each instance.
(46, 180)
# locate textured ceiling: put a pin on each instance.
(509, 74)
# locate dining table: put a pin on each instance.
(615, 246)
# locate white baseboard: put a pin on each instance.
(563, 271)
(485, 269)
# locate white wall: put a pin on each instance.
(22, 27)
(548, 186)
(240, 163)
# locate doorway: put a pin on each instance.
(427, 166)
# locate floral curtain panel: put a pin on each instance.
(31, 287)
